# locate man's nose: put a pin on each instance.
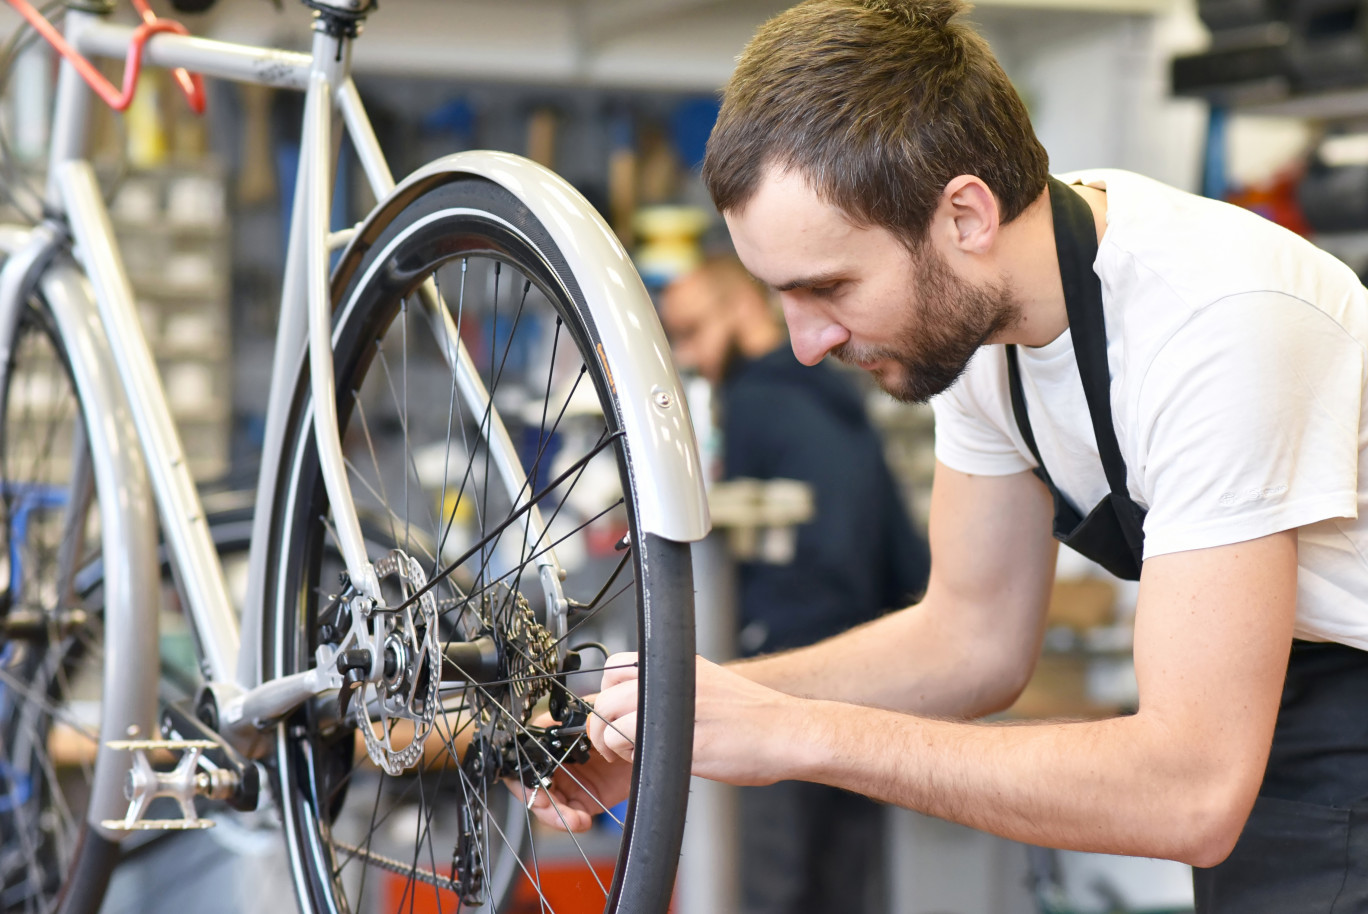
(811, 333)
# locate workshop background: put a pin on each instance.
(1256, 101)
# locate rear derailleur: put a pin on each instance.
(531, 756)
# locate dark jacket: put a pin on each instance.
(859, 557)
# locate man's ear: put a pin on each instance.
(968, 213)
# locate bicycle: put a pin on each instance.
(479, 389)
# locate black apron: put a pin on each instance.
(1304, 849)
(1113, 533)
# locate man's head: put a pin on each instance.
(866, 156)
(715, 314)
(880, 104)
(908, 317)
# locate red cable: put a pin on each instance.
(192, 85)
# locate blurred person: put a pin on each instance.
(804, 847)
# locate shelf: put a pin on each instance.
(1341, 104)
(212, 292)
(197, 230)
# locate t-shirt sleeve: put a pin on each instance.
(1250, 417)
(972, 421)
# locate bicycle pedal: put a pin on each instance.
(158, 824)
(171, 745)
(182, 784)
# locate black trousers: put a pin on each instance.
(810, 849)
(1305, 847)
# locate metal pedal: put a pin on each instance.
(182, 784)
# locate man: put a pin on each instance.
(876, 167)
(804, 846)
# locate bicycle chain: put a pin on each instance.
(398, 867)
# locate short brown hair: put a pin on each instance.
(878, 104)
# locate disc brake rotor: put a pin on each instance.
(402, 705)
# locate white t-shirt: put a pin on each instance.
(1237, 358)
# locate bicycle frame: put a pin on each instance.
(632, 347)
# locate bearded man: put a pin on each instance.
(1171, 385)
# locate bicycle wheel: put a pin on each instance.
(465, 677)
(51, 628)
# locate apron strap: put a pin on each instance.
(1076, 246)
(1076, 243)
(1023, 418)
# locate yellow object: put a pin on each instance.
(147, 146)
(669, 241)
(455, 502)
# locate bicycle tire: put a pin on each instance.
(468, 236)
(51, 632)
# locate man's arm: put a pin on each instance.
(969, 647)
(1177, 779)
(966, 650)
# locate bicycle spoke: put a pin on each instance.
(49, 708)
(370, 832)
(479, 517)
(404, 410)
(589, 615)
(531, 838)
(487, 423)
(546, 527)
(582, 464)
(389, 511)
(375, 462)
(25, 831)
(502, 525)
(401, 405)
(37, 738)
(550, 546)
(451, 346)
(546, 530)
(421, 826)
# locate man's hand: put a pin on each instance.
(741, 728)
(578, 792)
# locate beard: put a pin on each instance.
(951, 320)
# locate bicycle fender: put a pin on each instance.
(28, 252)
(132, 583)
(632, 346)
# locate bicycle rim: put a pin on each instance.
(51, 627)
(446, 834)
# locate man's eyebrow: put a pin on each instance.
(807, 282)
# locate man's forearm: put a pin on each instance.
(969, 646)
(906, 661)
(1115, 786)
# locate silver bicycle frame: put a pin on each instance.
(305, 313)
(633, 350)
